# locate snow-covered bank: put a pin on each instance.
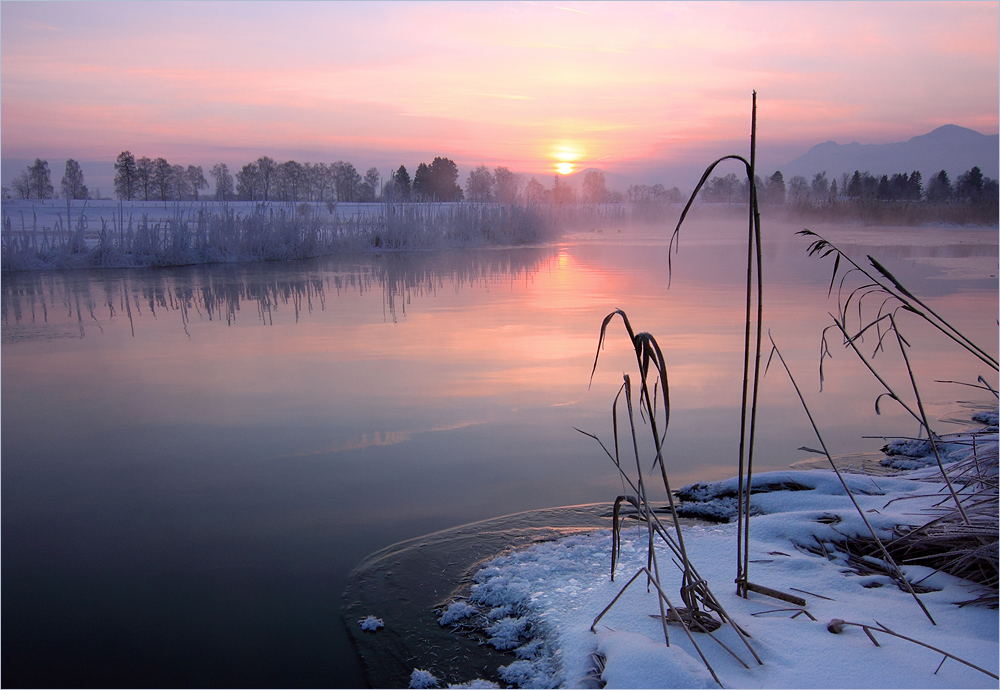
(541, 601)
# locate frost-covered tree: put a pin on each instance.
(321, 182)
(163, 174)
(72, 181)
(346, 181)
(40, 180)
(798, 189)
(195, 179)
(179, 187)
(370, 185)
(248, 183)
(534, 192)
(144, 178)
(290, 182)
(479, 186)
(267, 171)
(562, 193)
(223, 182)
(719, 190)
(595, 189)
(125, 176)
(819, 189)
(508, 185)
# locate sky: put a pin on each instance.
(626, 87)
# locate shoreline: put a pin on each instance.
(546, 620)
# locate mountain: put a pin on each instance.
(950, 147)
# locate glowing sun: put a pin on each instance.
(566, 154)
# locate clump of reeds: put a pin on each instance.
(654, 404)
(960, 534)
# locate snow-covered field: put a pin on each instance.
(541, 601)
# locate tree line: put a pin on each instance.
(970, 187)
(146, 179)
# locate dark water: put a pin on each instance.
(194, 459)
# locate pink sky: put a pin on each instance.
(518, 84)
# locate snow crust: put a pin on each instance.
(540, 601)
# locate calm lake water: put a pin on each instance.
(193, 459)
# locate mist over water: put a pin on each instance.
(194, 458)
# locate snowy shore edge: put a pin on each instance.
(538, 603)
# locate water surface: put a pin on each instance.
(195, 458)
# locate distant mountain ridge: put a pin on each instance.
(949, 147)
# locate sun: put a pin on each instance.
(566, 153)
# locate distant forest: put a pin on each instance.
(145, 179)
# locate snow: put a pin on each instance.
(541, 601)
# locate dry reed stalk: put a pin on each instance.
(836, 626)
(750, 394)
(850, 494)
(694, 589)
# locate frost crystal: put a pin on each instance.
(422, 679)
(456, 611)
(371, 623)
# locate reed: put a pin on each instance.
(753, 331)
